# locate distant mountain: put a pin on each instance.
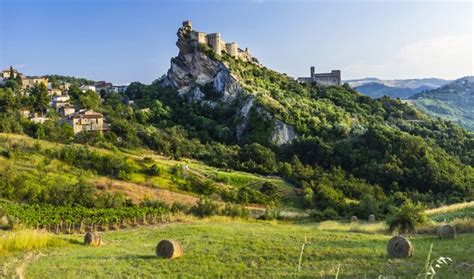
(399, 88)
(453, 101)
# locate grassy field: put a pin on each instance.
(451, 212)
(233, 248)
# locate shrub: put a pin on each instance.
(271, 190)
(316, 215)
(198, 185)
(179, 207)
(270, 214)
(153, 170)
(366, 206)
(248, 195)
(330, 214)
(235, 211)
(205, 208)
(407, 218)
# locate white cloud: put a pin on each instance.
(448, 57)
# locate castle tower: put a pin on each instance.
(188, 23)
(232, 49)
(311, 72)
(214, 41)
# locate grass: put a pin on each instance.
(232, 248)
(361, 227)
(27, 240)
(451, 212)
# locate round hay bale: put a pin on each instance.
(168, 249)
(354, 218)
(371, 218)
(92, 239)
(399, 247)
(446, 232)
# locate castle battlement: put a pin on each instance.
(215, 41)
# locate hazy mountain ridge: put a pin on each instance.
(398, 88)
(453, 101)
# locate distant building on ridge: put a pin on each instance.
(324, 79)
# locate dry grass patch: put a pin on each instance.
(28, 240)
(138, 193)
(449, 208)
(359, 227)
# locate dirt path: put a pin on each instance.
(27, 259)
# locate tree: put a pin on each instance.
(12, 73)
(88, 100)
(8, 101)
(258, 158)
(39, 97)
(407, 217)
(135, 90)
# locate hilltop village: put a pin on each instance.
(80, 118)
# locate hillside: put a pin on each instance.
(399, 88)
(454, 101)
(323, 126)
(36, 170)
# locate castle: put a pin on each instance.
(325, 79)
(215, 41)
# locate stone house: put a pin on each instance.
(66, 110)
(119, 88)
(86, 120)
(84, 88)
(29, 82)
(38, 118)
(103, 85)
(6, 73)
(55, 92)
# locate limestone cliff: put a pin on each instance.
(193, 72)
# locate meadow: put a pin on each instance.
(221, 246)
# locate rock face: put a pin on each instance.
(283, 133)
(193, 74)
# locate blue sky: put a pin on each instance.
(129, 40)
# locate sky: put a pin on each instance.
(133, 40)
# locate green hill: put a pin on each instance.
(454, 101)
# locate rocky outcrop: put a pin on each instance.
(193, 70)
(283, 133)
